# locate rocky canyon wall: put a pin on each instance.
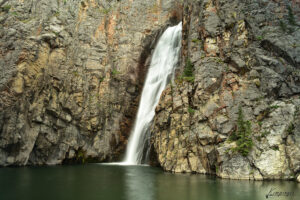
(237, 114)
(71, 75)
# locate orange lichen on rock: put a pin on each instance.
(100, 29)
(111, 27)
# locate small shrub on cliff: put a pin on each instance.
(275, 148)
(6, 8)
(265, 133)
(14, 13)
(115, 72)
(242, 135)
(291, 128)
(266, 112)
(188, 71)
(291, 16)
(196, 40)
(75, 73)
(80, 156)
(189, 79)
(105, 10)
(191, 110)
(259, 37)
(283, 26)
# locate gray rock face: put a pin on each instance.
(71, 75)
(243, 56)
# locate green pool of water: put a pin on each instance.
(109, 182)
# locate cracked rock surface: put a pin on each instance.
(244, 54)
(71, 75)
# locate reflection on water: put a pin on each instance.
(105, 182)
(140, 183)
(208, 187)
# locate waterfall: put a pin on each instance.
(161, 71)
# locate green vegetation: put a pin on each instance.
(265, 133)
(266, 113)
(105, 10)
(14, 13)
(242, 135)
(75, 73)
(274, 107)
(191, 110)
(6, 8)
(283, 26)
(275, 148)
(115, 72)
(25, 21)
(295, 46)
(227, 69)
(189, 79)
(260, 37)
(188, 74)
(196, 40)
(56, 14)
(102, 79)
(80, 156)
(90, 99)
(291, 128)
(219, 60)
(291, 17)
(56, 33)
(258, 138)
(260, 123)
(297, 111)
(260, 98)
(189, 68)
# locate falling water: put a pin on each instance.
(161, 71)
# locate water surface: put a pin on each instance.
(107, 182)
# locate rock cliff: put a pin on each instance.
(72, 73)
(71, 76)
(233, 109)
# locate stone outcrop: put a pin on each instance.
(71, 76)
(244, 54)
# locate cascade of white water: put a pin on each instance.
(161, 71)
